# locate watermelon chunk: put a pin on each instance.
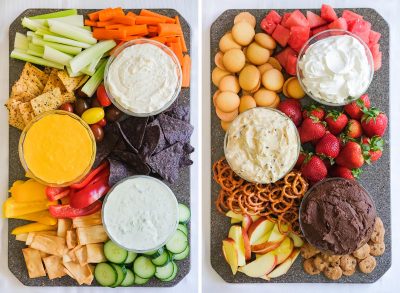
(378, 61)
(284, 19)
(282, 56)
(299, 35)
(375, 49)
(267, 26)
(291, 64)
(273, 16)
(314, 20)
(297, 19)
(350, 16)
(328, 13)
(281, 35)
(374, 37)
(361, 28)
(319, 29)
(339, 23)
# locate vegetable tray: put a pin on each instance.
(181, 187)
(375, 178)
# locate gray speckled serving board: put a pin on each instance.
(181, 188)
(375, 178)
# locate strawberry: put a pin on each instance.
(350, 156)
(314, 111)
(343, 172)
(311, 129)
(374, 122)
(300, 160)
(336, 121)
(292, 108)
(328, 146)
(355, 109)
(353, 129)
(314, 169)
(372, 148)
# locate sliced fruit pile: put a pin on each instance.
(125, 268)
(258, 248)
(292, 31)
(337, 143)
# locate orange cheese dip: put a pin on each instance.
(58, 149)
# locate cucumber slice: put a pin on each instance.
(184, 254)
(154, 253)
(114, 253)
(162, 260)
(105, 274)
(184, 213)
(183, 228)
(178, 242)
(121, 273)
(131, 257)
(129, 279)
(173, 274)
(140, 281)
(144, 268)
(165, 272)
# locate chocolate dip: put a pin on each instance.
(337, 216)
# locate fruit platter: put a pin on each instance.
(300, 148)
(99, 148)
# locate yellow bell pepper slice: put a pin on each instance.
(28, 191)
(15, 184)
(33, 227)
(12, 208)
(43, 217)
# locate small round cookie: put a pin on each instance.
(227, 42)
(246, 103)
(245, 16)
(265, 41)
(367, 265)
(330, 258)
(234, 60)
(265, 98)
(218, 60)
(376, 249)
(225, 125)
(333, 272)
(378, 234)
(348, 273)
(307, 251)
(249, 77)
(362, 252)
(243, 33)
(217, 74)
(229, 83)
(348, 263)
(265, 67)
(272, 79)
(309, 267)
(227, 102)
(256, 54)
(319, 263)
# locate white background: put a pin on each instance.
(9, 10)
(389, 9)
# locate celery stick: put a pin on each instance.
(86, 56)
(92, 84)
(73, 74)
(62, 13)
(34, 47)
(35, 53)
(21, 41)
(42, 32)
(32, 24)
(75, 20)
(31, 34)
(88, 28)
(65, 41)
(33, 59)
(54, 55)
(60, 47)
(91, 68)
(72, 32)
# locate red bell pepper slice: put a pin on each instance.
(89, 194)
(56, 193)
(90, 176)
(67, 212)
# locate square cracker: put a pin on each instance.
(70, 83)
(53, 82)
(68, 98)
(48, 101)
(32, 70)
(27, 85)
(14, 116)
(26, 112)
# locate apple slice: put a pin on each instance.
(284, 250)
(254, 218)
(230, 253)
(272, 242)
(246, 222)
(260, 267)
(295, 253)
(235, 221)
(258, 231)
(276, 235)
(265, 247)
(235, 233)
(284, 267)
(297, 241)
(247, 246)
(234, 215)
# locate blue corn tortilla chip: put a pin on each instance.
(126, 141)
(106, 146)
(134, 161)
(118, 171)
(188, 148)
(166, 163)
(132, 130)
(181, 112)
(162, 143)
(151, 140)
(175, 130)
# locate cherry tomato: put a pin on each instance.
(67, 107)
(97, 132)
(102, 96)
(102, 122)
(95, 103)
(113, 113)
(81, 106)
(93, 115)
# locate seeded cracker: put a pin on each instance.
(27, 86)
(68, 98)
(14, 116)
(70, 83)
(26, 112)
(53, 82)
(48, 101)
(31, 70)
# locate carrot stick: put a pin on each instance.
(162, 40)
(176, 48)
(145, 12)
(104, 23)
(130, 38)
(183, 43)
(104, 34)
(166, 29)
(152, 29)
(130, 13)
(128, 20)
(186, 71)
(173, 39)
(108, 14)
(149, 20)
(90, 22)
(114, 26)
(94, 16)
(135, 30)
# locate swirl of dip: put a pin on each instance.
(336, 68)
(262, 145)
(143, 78)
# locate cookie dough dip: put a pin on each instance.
(335, 69)
(57, 148)
(140, 213)
(143, 77)
(262, 145)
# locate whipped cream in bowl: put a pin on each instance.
(335, 67)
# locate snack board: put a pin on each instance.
(181, 187)
(375, 178)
